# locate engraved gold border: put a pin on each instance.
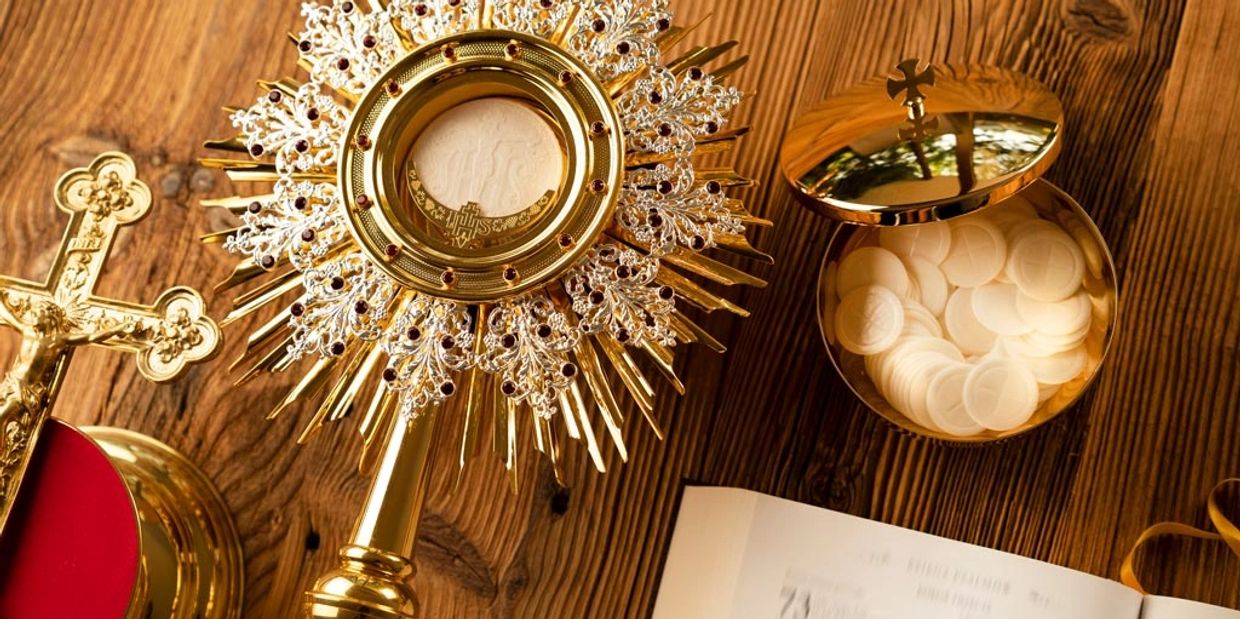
(477, 67)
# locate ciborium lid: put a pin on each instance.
(925, 144)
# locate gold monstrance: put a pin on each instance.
(181, 515)
(424, 283)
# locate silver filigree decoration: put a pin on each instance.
(345, 299)
(664, 207)
(303, 222)
(347, 48)
(527, 345)
(614, 292)
(666, 114)
(424, 21)
(617, 38)
(301, 130)
(540, 18)
(426, 342)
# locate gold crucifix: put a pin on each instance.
(62, 313)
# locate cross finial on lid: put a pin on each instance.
(910, 85)
(914, 99)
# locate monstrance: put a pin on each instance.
(485, 208)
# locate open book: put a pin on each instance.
(743, 555)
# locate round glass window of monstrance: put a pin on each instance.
(482, 174)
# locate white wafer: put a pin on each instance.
(920, 321)
(945, 402)
(929, 241)
(1046, 263)
(905, 374)
(918, 370)
(1009, 214)
(978, 253)
(869, 320)
(1000, 394)
(965, 330)
(914, 289)
(1021, 347)
(1052, 344)
(872, 266)
(931, 283)
(1015, 205)
(1035, 344)
(994, 304)
(1006, 292)
(888, 362)
(1058, 368)
(1056, 317)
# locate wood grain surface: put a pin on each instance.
(1152, 93)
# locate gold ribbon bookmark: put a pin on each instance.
(1227, 532)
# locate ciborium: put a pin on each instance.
(495, 209)
(104, 522)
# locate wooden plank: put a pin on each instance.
(1153, 111)
(1168, 422)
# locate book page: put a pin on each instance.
(1157, 607)
(743, 555)
(706, 554)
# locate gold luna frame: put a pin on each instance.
(482, 55)
(430, 84)
(190, 554)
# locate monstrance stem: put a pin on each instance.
(375, 567)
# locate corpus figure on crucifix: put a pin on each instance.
(55, 316)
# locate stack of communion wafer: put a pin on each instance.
(968, 325)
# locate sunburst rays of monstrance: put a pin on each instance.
(409, 310)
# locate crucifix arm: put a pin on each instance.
(96, 337)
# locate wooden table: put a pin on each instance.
(1152, 92)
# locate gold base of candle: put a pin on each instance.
(191, 553)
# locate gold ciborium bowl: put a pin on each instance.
(1099, 283)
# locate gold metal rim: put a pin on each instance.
(450, 71)
(325, 605)
(863, 388)
(178, 506)
(925, 212)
